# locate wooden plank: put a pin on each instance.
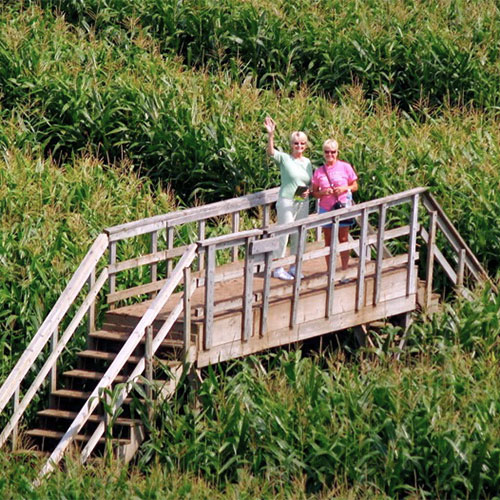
(412, 250)
(53, 370)
(148, 362)
(135, 290)
(153, 248)
(227, 240)
(201, 237)
(189, 285)
(92, 309)
(53, 319)
(265, 245)
(301, 237)
(332, 260)
(431, 245)
(144, 260)
(380, 251)
(170, 246)
(265, 293)
(15, 430)
(112, 261)
(225, 207)
(235, 223)
(247, 293)
(194, 214)
(266, 216)
(209, 297)
(360, 293)
(461, 268)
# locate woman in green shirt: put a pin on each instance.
(296, 172)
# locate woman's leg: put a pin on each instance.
(286, 214)
(343, 237)
(300, 210)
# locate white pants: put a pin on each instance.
(289, 211)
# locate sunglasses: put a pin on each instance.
(330, 152)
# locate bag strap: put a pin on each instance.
(328, 176)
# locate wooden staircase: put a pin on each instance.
(76, 385)
(200, 312)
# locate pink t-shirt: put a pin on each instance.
(340, 174)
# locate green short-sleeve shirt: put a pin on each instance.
(294, 173)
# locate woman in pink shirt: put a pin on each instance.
(330, 184)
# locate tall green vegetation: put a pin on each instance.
(103, 104)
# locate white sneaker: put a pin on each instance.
(293, 272)
(281, 274)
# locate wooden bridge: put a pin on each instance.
(174, 295)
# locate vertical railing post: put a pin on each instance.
(461, 268)
(53, 371)
(380, 253)
(15, 430)
(148, 358)
(431, 245)
(301, 238)
(92, 308)
(266, 216)
(201, 237)
(112, 276)
(153, 248)
(412, 250)
(266, 291)
(318, 229)
(332, 266)
(248, 292)
(209, 296)
(186, 331)
(360, 292)
(235, 218)
(170, 245)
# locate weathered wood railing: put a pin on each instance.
(169, 223)
(122, 357)
(49, 331)
(256, 246)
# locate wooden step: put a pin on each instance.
(53, 413)
(123, 337)
(105, 356)
(45, 433)
(83, 395)
(91, 375)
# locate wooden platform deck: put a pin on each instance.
(312, 317)
(205, 313)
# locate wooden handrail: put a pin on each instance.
(454, 238)
(128, 348)
(194, 214)
(52, 359)
(53, 319)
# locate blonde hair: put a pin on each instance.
(297, 135)
(332, 144)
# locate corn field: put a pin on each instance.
(115, 110)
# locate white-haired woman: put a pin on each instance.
(296, 174)
(330, 184)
